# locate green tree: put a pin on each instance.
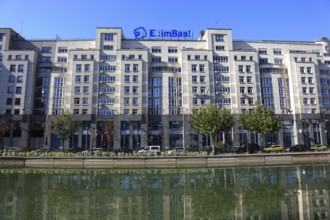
(262, 120)
(211, 120)
(64, 126)
(4, 127)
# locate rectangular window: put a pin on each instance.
(262, 51)
(78, 67)
(17, 101)
(135, 79)
(126, 89)
(135, 101)
(19, 79)
(77, 90)
(108, 47)
(240, 69)
(127, 79)
(302, 69)
(135, 89)
(309, 69)
(172, 50)
(76, 111)
(156, 59)
(1, 37)
(156, 50)
(193, 68)
(277, 52)
(219, 38)
(219, 47)
(135, 67)
(46, 50)
(195, 101)
(62, 59)
(85, 101)
(78, 79)
(85, 89)
(127, 67)
(172, 59)
(11, 79)
(19, 90)
(108, 36)
(194, 79)
(12, 68)
(86, 79)
(85, 111)
(62, 50)
(248, 69)
(310, 80)
(77, 101)
(249, 79)
(126, 101)
(20, 68)
(241, 79)
(9, 101)
(263, 61)
(202, 68)
(202, 79)
(87, 68)
(278, 61)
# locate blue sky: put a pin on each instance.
(305, 20)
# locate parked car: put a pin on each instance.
(148, 149)
(298, 148)
(25, 149)
(176, 150)
(42, 150)
(252, 148)
(13, 149)
(273, 149)
(319, 147)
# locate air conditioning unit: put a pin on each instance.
(102, 61)
(102, 71)
(101, 92)
(101, 81)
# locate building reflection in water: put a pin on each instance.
(293, 192)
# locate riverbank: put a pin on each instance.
(149, 162)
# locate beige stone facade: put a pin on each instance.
(145, 90)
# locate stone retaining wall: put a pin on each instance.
(165, 162)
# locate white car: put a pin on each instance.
(176, 150)
(148, 149)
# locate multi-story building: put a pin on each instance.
(142, 91)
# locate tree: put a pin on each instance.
(64, 126)
(262, 120)
(211, 120)
(4, 127)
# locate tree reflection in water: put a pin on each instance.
(223, 193)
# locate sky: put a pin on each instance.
(293, 20)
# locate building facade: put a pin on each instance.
(130, 93)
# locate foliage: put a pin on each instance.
(262, 120)
(64, 126)
(214, 203)
(4, 127)
(211, 120)
(264, 199)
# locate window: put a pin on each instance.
(135, 79)
(203, 101)
(173, 59)
(250, 90)
(0, 69)
(78, 67)
(126, 89)
(12, 68)
(240, 69)
(16, 111)
(8, 111)
(156, 50)
(87, 68)
(1, 37)
(277, 52)
(17, 101)
(78, 79)
(248, 69)
(62, 50)
(249, 79)
(219, 38)
(46, 50)
(9, 101)
(135, 89)
(77, 101)
(197, 57)
(305, 100)
(172, 50)
(201, 68)
(86, 79)
(62, 59)
(313, 102)
(126, 101)
(219, 47)
(250, 101)
(108, 36)
(194, 68)
(19, 90)
(84, 111)
(311, 90)
(202, 79)
(85, 89)
(309, 69)
(126, 111)
(194, 79)
(242, 101)
(194, 89)
(263, 61)
(59, 81)
(156, 59)
(242, 90)
(278, 61)
(304, 90)
(302, 69)
(262, 51)
(127, 67)
(135, 67)
(310, 80)
(195, 101)
(85, 101)
(11, 79)
(241, 79)
(20, 68)
(108, 47)
(135, 101)
(303, 80)
(127, 79)
(76, 111)
(18, 57)
(77, 90)
(19, 79)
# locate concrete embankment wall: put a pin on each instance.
(164, 161)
